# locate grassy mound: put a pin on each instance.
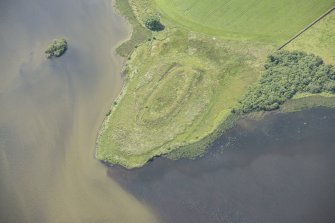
(178, 100)
(260, 19)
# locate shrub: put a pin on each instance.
(57, 48)
(153, 23)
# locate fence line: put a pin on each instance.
(307, 28)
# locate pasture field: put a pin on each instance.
(181, 83)
(319, 40)
(259, 19)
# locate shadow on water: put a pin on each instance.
(279, 169)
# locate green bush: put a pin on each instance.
(286, 74)
(153, 23)
(57, 48)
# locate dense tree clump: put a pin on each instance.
(57, 48)
(286, 74)
(153, 23)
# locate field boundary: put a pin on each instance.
(307, 28)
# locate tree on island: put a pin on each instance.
(153, 23)
(57, 48)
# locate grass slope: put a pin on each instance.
(260, 19)
(181, 85)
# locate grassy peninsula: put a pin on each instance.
(184, 81)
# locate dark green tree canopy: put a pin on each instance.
(153, 23)
(286, 74)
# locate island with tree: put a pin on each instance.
(57, 48)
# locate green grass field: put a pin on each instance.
(183, 83)
(319, 40)
(259, 19)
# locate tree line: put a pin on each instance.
(285, 74)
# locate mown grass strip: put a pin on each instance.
(253, 19)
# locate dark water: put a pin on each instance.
(279, 169)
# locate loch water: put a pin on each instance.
(278, 169)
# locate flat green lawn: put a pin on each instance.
(261, 19)
(319, 40)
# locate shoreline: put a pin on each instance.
(199, 148)
(292, 106)
(124, 62)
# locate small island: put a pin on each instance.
(57, 48)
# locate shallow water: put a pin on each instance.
(51, 111)
(279, 169)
